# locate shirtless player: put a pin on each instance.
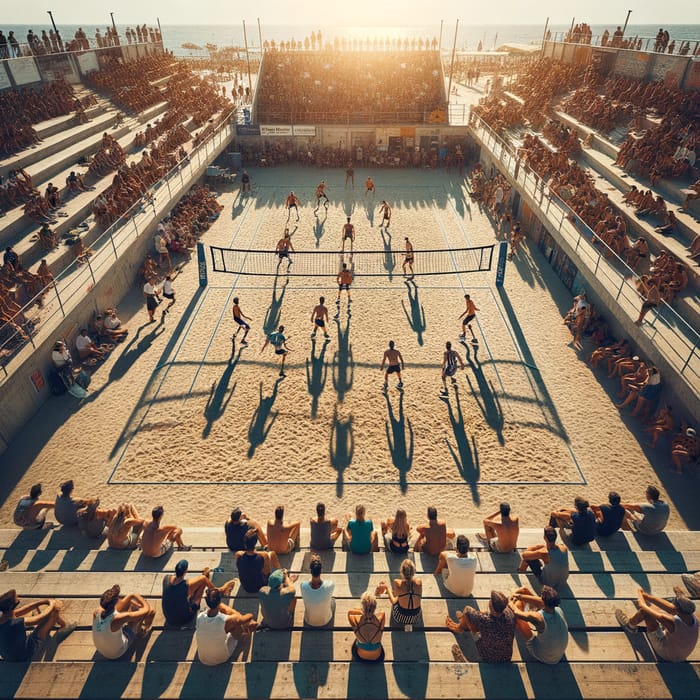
(292, 202)
(319, 318)
(238, 317)
(385, 211)
(468, 316)
(348, 232)
(392, 358)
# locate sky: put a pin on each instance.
(352, 12)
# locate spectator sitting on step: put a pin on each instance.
(434, 537)
(66, 507)
(685, 448)
(236, 528)
(47, 237)
(125, 528)
(113, 325)
(88, 522)
(396, 533)
(116, 335)
(119, 621)
(549, 562)
(549, 643)
(359, 535)
(663, 422)
(157, 540)
(579, 519)
(324, 531)
(216, 627)
(182, 597)
(254, 567)
(86, 348)
(30, 512)
(15, 644)
(494, 630)
(648, 518)
(609, 516)
(501, 530)
(278, 600)
(405, 595)
(319, 603)
(671, 625)
(282, 537)
(368, 627)
(63, 362)
(457, 569)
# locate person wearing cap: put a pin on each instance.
(495, 629)
(685, 448)
(119, 620)
(457, 568)
(548, 641)
(215, 629)
(66, 507)
(278, 600)
(30, 512)
(237, 526)
(672, 626)
(648, 518)
(158, 539)
(182, 597)
(42, 616)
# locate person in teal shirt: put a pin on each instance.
(359, 535)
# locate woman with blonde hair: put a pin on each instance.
(368, 627)
(406, 595)
(396, 532)
(125, 528)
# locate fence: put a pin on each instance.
(677, 341)
(69, 286)
(647, 44)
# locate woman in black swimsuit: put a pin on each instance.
(396, 532)
(406, 595)
(368, 626)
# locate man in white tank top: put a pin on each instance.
(118, 621)
(215, 627)
(458, 569)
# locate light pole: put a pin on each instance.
(627, 19)
(114, 26)
(52, 22)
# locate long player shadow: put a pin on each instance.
(400, 448)
(343, 364)
(260, 426)
(272, 315)
(389, 259)
(416, 318)
(218, 400)
(466, 453)
(342, 447)
(319, 226)
(486, 398)
(316, 374)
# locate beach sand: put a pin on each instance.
(175, 417)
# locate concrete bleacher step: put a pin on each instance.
(600, 142)
(51, 127)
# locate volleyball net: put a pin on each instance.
(362, 263)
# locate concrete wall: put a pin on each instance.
(24, 392)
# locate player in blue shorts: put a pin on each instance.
(450, 359)
(239, 317)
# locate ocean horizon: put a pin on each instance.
(468, 35)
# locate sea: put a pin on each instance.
(468, 35)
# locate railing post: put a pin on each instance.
(92, 274)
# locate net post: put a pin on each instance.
(202, 265)
(501, 267)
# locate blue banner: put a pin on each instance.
(202, 265)
(501, 267)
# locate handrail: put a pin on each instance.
(557, 211)
(24, 50)
(75, 278)
(692, 48)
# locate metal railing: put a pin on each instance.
(647, 44)
(676, 339)
(71, 285)
(72, 46)
(344, 116)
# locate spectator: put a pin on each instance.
(182, 597)
(405, 596)
(30, 513)
(648, 518)
(158, 539)
(86, 348)
(609, 517)
(671, 626)
(549, 643)
(579, 519)
(63, 362)
(685, 448)
(324, 532)
(254, 567)
(119, 621)
(66, 508)
(282, 537)
(236, 528)
(396, 532)
(15, 644)
(495, 629)
(125, 528)
(278, 600)
(692, 583)
(317, 594)
(215, 629)
(434, 537)
(368, 627)
(549, 562)
(90, 524)
(359, 535)
(458, 569)
(501, 530)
